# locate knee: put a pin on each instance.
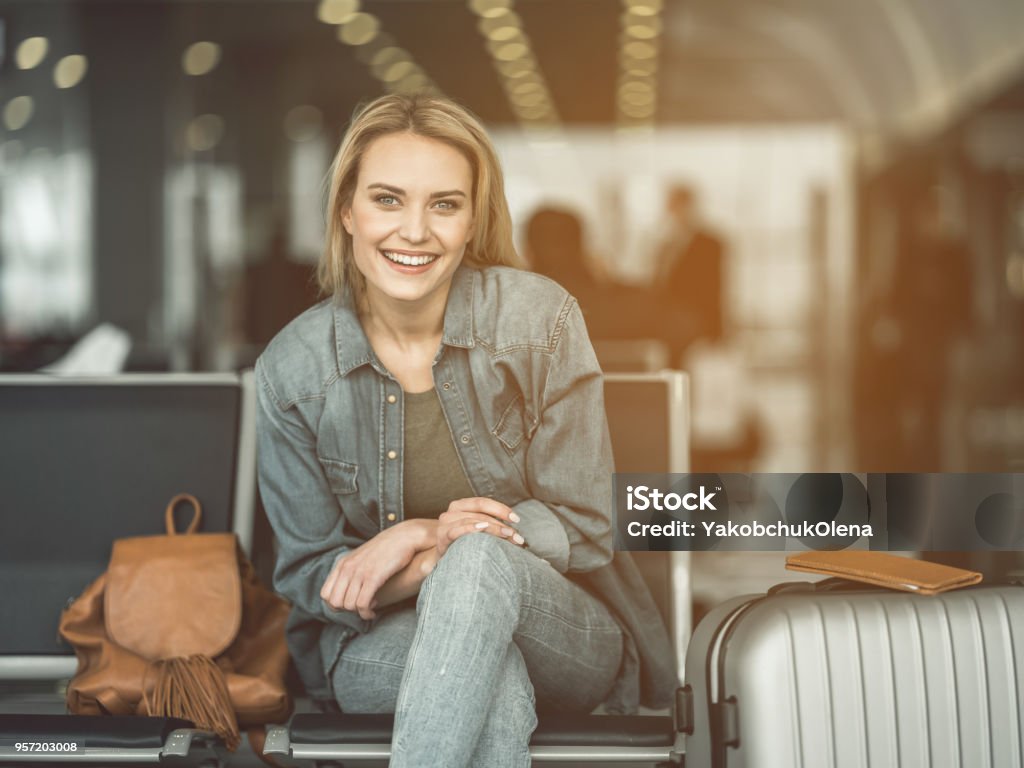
(476, 562)
(479, 554)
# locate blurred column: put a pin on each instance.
(128, 63)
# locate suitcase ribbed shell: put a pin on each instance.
(852, 679)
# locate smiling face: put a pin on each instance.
(410, 218)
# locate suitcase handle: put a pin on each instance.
(833, 584)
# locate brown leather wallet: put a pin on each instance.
(884, 570)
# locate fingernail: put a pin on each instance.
(513, 517)
(507, 531)
(518, 539)
(481, 525)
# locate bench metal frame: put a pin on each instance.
(184, 744)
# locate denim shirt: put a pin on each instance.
(522, 392)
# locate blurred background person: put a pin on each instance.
(277, 288)
(688, 277)
(931, 305)
(613, 310)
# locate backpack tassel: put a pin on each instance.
(193, 688)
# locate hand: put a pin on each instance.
(476, 515)
(353, 582)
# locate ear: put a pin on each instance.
(346, 218)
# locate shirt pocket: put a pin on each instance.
(515, 425)
(341, 475)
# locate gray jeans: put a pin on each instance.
(495, 634)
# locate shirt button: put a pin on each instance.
(446, 386)
(391, 516)
(392, 455)
(464, 439)
(392, 398)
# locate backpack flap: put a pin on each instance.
(174, 595)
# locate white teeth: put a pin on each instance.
(409, 261)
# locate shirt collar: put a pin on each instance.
(353, 348)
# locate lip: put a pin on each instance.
(409, 253)
(405, 269)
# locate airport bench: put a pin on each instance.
(648, 420)
(88, 460)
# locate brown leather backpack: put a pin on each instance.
(179, 626)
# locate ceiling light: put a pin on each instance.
(200, 58)
(18, 112)
(637, 98)
(490, 24)
(516, 69)
(489, 8)
(360, 29)
(385, 57)
(506, 34)
(511, 51)
(69, 71)
(204, 132)
(336, 11)
(646, 31)
(639, 67)
(526, 86)
(1015, 275)
(637, 110)
(31, 52)
(636, 86)
(644, 7)
(388, 58)
(535, 99)
(366, 52)
(540, 114)
(398, 71)
(639, 49)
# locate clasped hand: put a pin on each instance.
(392, 565)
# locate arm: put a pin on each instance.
(569, 460)
(408, 581)
(354, 587)
(300, 505)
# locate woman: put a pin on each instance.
(435, 462)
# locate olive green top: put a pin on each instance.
(432, 475)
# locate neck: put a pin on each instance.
(405, 323)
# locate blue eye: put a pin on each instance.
(446, 205)
(387, 199)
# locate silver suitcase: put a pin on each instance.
(841, 676)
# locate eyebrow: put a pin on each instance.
(400, 191)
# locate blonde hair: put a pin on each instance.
(435, 118)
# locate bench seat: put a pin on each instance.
(594, 738)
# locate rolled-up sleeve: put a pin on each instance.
(302, 510)
(567, 521)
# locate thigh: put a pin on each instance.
(570, 642)
(368, 673)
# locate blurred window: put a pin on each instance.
(45, 242)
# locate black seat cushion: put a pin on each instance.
(91, 731)
(552, 731)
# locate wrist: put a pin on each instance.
(425, 533)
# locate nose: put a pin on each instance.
(413, 227)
